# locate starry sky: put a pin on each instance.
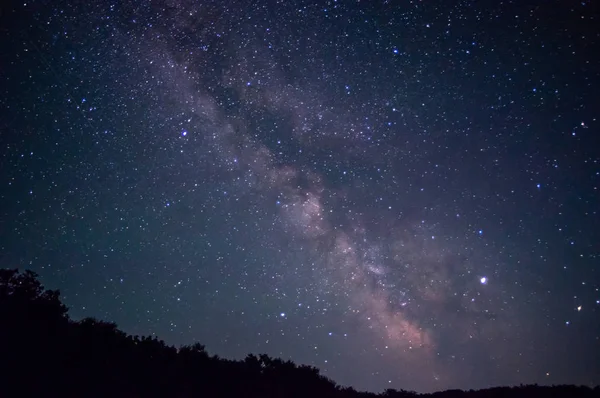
(401, 193)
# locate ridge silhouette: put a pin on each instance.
(44, 353)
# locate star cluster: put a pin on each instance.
(403, 194)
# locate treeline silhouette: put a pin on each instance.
(45, 354)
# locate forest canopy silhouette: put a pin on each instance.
(45, 353)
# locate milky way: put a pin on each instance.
(403, 194)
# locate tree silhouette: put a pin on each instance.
(44, 353)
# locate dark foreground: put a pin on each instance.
(43, 353)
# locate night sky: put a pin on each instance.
(404, 194)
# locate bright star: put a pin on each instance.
(483, 280)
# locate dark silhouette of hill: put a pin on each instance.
(45, 354)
